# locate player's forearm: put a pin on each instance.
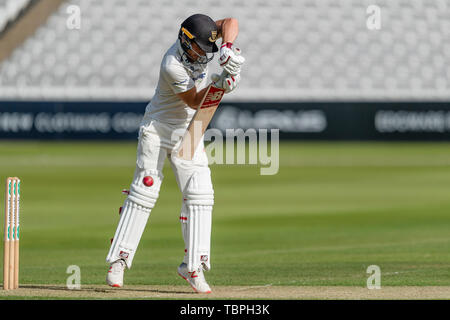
(192, 97)
(198, 98)
(228, 29)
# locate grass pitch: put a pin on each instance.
(332, 210)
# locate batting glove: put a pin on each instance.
(230, 59)
(225, 81)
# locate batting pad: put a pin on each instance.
(196, 220)
(134, 216)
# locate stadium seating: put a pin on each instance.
(9, 10)
(296, 50)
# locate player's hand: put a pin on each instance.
(225, 81)
(230, 59)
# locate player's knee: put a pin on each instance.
(145, 187)
(199, 190)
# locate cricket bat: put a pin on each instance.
(200, 122)
(202, 118)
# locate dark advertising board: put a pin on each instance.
(341, 121)
(306, 121)
(70, 120)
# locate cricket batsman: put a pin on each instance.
(183, 81)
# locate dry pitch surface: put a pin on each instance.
(229, 292)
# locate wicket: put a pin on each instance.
(11, 240)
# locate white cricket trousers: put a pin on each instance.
(158, 141)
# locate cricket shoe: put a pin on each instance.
(195, 278)
(115, 273)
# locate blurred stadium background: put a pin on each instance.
(297, 52)
(313, 69)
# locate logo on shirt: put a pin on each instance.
(179, 83)
(200, 76)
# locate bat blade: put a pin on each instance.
(200, 122)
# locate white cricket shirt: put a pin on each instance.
(175, 76)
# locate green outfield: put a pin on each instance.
(332, 210)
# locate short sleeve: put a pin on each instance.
(177, 78)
